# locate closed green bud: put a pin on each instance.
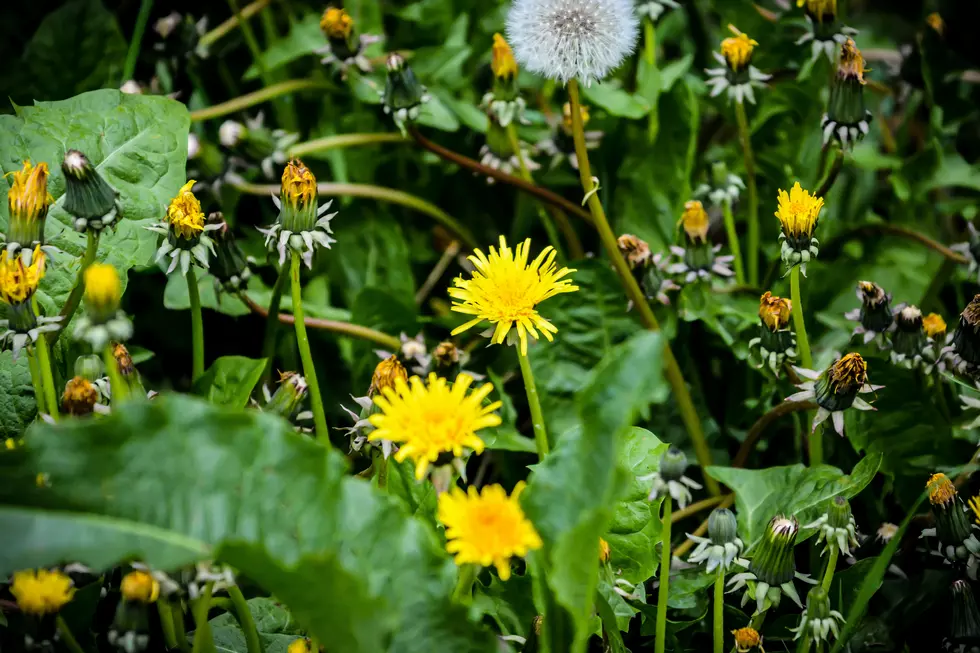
(774, 563)
(88, 197)
(288, 396)
(229, 266)
(673, 464)
(819, 622)
(89, 367)
(966, 338)
(964, 627)
(403, 94)
(722, 526)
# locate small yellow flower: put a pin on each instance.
(941, 490)
(635, 250)
(488, 527)
(427, 420)
(974, 504)
(774, 311)
(298, 184)
(851, 62)
(819, 8)
(566, 113)
(798, 211)
(603, 550)
(386, 374)
(184, 213)
(936, 22)
(140, 586)
(103, 289)
(80, 397)
(299, 645)
(336, 23)
(747, 639)
(737, 49)
(505, 290)
(28, 197)
(502, 62)
(695, 221)
(934, 325)
(849, 371)
(18, 282)
(41, 591)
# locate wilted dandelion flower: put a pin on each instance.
(964, 619)
(819, 622)
(909, 337)
(560, 144)
(746, 639)
(403, 95)
(964, 347)
(836, 389)
(772, 569)
(875, 316)
(698, 260)
(28, 201)
(505, 290)
(344, 46)
(88, 197)
(798, 212)
(970, 249)
(776, 342)
(837, 527)
(40, 591)
(722, 546)
(649, 269)
(825, 33)
(487, 527)
(572, 39)
(185, 232)
(288, 396)
(102, 321)
(886, 532)
(738, 76)
(301, 226)
(80, 397)
(18, 283)
(669, 480)
(847, 119)
(432, 419)
(504, 101)
(958, 542)
(230, 267)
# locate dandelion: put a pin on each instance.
(670, 480)
(886, 532)
(825, 33)
(103, 321)
(40, 591)
(300, 645)
(772, 569)
(722, 186)
(386, 375)
(722, 546)
(18, 283)
(344, 48)
(604, 551)
(776, 342)
(964, 624)
(230, 267)
(737, 77)
(487, 527)
(560, 144)
(505, 291)
(28, 201)
(572, 39)
(746, 639)
(403, 95)
(836, 389)
(433, 418)
(92, 201)
(653, 9)
(699, 260)
(957, 537)
(847, 119)
(819, 622)
(186, 238)
(964, 344)
(288, 396)
(140, 586)
(498, 152)
(875, 316)
(798, 212)
(504, 102)
(80, 397)
(837, 527)
(301, 226)
(909, 338)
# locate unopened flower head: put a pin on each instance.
(798, 213)
(300, 645)
(103, 321)
(738, 49)
(433, 420)
(303, 227)
(942, 492)
(185, 232)
(819, 623)
(669, 480)
(27, 204)
(698, 261)
(737, 76)
(336, 23)
(653, 9)
(288, 396)
(934, 325)
(18, 283)
(403, 95)
(722, 187)
(695, 222)
(747, 639)
(772, 569)
(505, 290)
(909, 338)
(965, 341)
(487, 527)
(722, 546)
(634, 250)
(447, 356)
(604, 550)
(561, 143)
(386, 374)
(140, 586)
(502, 61)
(774, 311)
(504, 102)
(936, 22)
(80, 397)
(344, 46)
(958, 541)
(825, 34)
(775, 344)
(875, 317)
(572, 39)
(964, 624)
(40, 591)
(230, 266)
(88, 197)
(819, 10)
(836, 389)
(847, 119)
(837, 527)
(498, 152)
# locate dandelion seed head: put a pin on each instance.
(572, 39)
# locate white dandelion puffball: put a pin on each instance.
(572, 39)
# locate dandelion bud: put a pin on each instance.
(302, 226)
(300, 645)
(934, 326)
(499, 153)
(952, 526)
(27, 204)
(695, 222)
(723, 186)
(737, 50)
(80, 397)
(936, 22)
(603, 551)
(338, 27)
(634, 250)
(837, 527)
(447, 357)
(102, 321)
(140, 586)
(964, 629)
(773, 562)
(966, 337)
(572, 39)
(847, 117)
(738, 75)
(819, 10)
(875, 315)
(288, 396)
(670, 480)
(722, 545)
(698, 260)
(746, 639)
(386, 375)
(775, 343)
(229, 267)
(19, 278)
(231, 133)
(87, 195)
(184, 231)
(774, 311)
(819, 622)
(40, 592)
(403, 95)
(909, 338)
(89, 367)
(798, 212)
(504, 101)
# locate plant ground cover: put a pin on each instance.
(531, 326)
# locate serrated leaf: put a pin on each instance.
(276, 628)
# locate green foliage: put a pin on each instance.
(230, 380)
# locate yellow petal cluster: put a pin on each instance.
(849, 371)
(28, 197)
(635, 250)
(184, 213)
(487, 527)
(103, 289)
(80, 397)
(819, 8)
(298, 184)
(774, 311)
(798, 211)
(737, 49)
(502, 61)
(851, 62)
(934, 325)
(429, 419)
(386, 374)
(695, 221)
(18, 281)
(505, 289)
(941, 490)
(747, 639)
(336, 23)
(41, 591)
(140, 586)
(566, 113)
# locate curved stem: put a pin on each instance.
(319, 417)
(75, 297)
(219, 31)
(831, 248)
(761, 424)
(746, 139)
(256, 97)
(542, 194)
(549, 227)
(197, 325)
(373, 192)
(118, 389)
(537, 418)
(67, 637)
(344, 328)
(272, 322)
(733, 244)
(344, 140)
(828, 576)
(252, 642)
(831, 177)
(203, 641)
(671, 369)
(719, 613)
(36, 382)
(806, 359)
(464, 583)
(129, 68)
(697, 507)
(665, 557)
(251, 42)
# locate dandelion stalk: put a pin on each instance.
(177, 613)
(344, 140)
(197, 326)
(803, 344)
(118, 389)
(534, 403)
(129, 68)
(828, 576)
(650, 51)
(733, 243)
(464, 584)
(256, 97)
(66, 636)
(252, 642)
(671, 369)
(203, 641)
(745, 138)
(309, 371)
(36, 382)
(167, 624)
(75, 297)
(665, 556)
(272, 322)
(224, 28)
(47, 378)
(719, 613)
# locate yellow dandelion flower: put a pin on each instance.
(941, 490)
(28, 197)
(737, 49)
(300, 645)
(819, 8)
(774, 311)
(505, 290)
(18, 281)
(140, 586)
(936, 22)
(934, 325)
(386, 374)
(428, 420)
(103, 289)
(566, 114)
(747, 639)
(336, 23)
(502, 61)
(974, 504)
(851, 62)
(41, 591)
(184, 213)
(695, 221)
(487, 527)
(798, 211)
(298, 184)
(849, 371)
(604, 551)
(80, 397)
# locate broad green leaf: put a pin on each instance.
(610, 96)
(276, 628)
(17, 406)
(175, 295)
(230, 380)
(803, 492)
(304, 37)
(374, 254)
(244, 488)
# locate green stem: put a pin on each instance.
(344, 140)
(746, 139)
(247, 12)
(203, 641)
(806, 359)
(719, 614)
(166, 624)
(650, 51)
(733, 243)
(672, 370)
(197, 325)
(47, 377)
(534, 403)
(177, 612)
(319, 418)
(464, 583)
(118, 388)
(272, 323)
(382, 471)
(549, 226)
(36, 382)
(828, 576)
(251, 42)
(661, 637)
(67, 637)
(257, 97)
(129, 69)
(252, 642)
(75, 297)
